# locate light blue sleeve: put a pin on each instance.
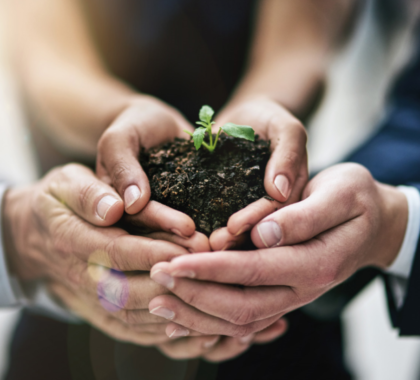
(9, 287)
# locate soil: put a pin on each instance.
(209, 187)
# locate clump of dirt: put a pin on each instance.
(209, 187)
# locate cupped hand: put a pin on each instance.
(55, 232)
(287, 170)
(345, 221)
(145, 123)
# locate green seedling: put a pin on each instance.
(234, 130)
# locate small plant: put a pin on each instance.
(234, 130)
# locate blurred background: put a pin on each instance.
(352, 104)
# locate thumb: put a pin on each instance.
(80, 190)
(326, 205)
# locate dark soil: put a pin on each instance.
(209, 187)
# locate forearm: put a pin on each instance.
(292, 48)
(62, 75)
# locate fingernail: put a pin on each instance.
(243, 229)
(246, 339)
(184, 273)
(180, 331)
(131, 194)
(270, 233)
(211, 343)
(163, 312)
(163, 278)
(104, 205)
(178, 232)
(228, 245)
(282, 184)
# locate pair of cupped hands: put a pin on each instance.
(172, 287)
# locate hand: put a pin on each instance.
(211, 348)
(145, 123)
(345, 221)
(54, 231)
(287, 170)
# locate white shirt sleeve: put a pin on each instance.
(10, 294)
(401, 267)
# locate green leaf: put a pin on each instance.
(201, 123)
(242, 131)
(198, 137)
(206, 113)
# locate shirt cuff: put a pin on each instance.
(10, 292)
(402, 264)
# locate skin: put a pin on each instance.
(78, 100)
(54, 231)
(86, 111)
(346, 221)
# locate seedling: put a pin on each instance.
(234, 130)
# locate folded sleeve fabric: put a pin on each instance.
(400, 269)
(406, 314)
(10, 294)
(401, 266)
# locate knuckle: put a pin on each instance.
(300, 130)
(242, 330)
(112, 252)
(117, 259)
(191, 297)
(114, 289)
(86, 195)
(327, 276)
(291, 159)
(74, 275)
(59, 237)
(119, 173)
(129, 317)
(243, 316)
(255, 271)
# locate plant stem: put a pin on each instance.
(217, 137)
(210, 136)
(210, 148)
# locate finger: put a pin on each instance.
(122, 291)
(228, 348)
(240, 306)
(114, 248)
(79, 189)
(197, 242)
(243, 220)
(118, 157)
(277, 266)
(324, 208)
(107, 324)
(185, 318)
(158, 217)
(276, 330)
(189, 348)
(222, 240)
(288, 146)
(138, 317)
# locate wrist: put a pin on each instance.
(15, 234)
(394, 220)
(292, 82)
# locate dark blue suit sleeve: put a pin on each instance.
(393, 157)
